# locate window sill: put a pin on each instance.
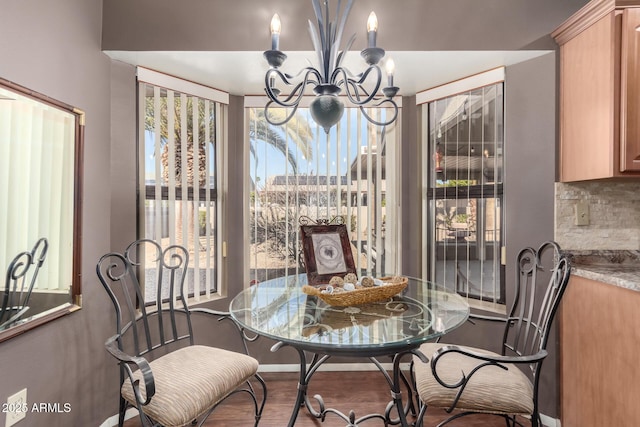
(492, 307)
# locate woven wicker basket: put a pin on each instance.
(393, 285)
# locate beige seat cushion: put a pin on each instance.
(490, 389)
(190, 381)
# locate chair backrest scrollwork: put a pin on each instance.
(154, 314)
(541, 280)
(19, 282)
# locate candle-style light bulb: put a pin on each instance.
(276, 26)
(390, 68)
(372, 28)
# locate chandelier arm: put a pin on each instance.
(287, 78)
(365, 74)
(298, 90)
(294, 108)
(354, 86)
(358, 91)
(387, 122)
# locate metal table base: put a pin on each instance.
(395, 381)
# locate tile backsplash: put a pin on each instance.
(614, 215)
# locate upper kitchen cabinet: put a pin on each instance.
(600, 91)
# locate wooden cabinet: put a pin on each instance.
(599, 336)
(630, 95)
(600, 91)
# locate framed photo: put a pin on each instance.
(327, 251)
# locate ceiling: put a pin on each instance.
(242, 73)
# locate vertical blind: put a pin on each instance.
(36, 176)
(463, 144)
(296, 169)
(180, 130)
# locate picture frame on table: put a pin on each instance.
(326, 250)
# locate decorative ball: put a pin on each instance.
(328, 290)
(336, 281)
(351, 278)
(367, 282)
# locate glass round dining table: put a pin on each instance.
(395, 327)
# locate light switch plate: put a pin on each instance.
(582, 213)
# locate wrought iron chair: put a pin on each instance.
(19, 285)
(169, 379)
(471, 380)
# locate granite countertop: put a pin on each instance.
(618, 268)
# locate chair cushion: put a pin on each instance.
(491, 389)
(190, 381)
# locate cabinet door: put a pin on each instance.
(587, 103)
(599, 335)
(630, 91)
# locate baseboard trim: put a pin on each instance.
(549, 421)
(112, 421)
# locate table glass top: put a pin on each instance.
(279, 309)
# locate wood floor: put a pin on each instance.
(363, 392)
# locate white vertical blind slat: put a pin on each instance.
(220, 164)
(195, 166)
(157, 132)
(338, 174)
(373, 144)
(297, 206)
(359, 213)
(287, 225)
(171, 165)
(6, 117)
(317, 186)
(378, 205)
(254, 125)
(207, 186)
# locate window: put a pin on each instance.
(298, 170)
(181, 126)
(464, 143)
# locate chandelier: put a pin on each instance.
(330, 78)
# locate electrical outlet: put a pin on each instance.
(16, 407)
(582, 213)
